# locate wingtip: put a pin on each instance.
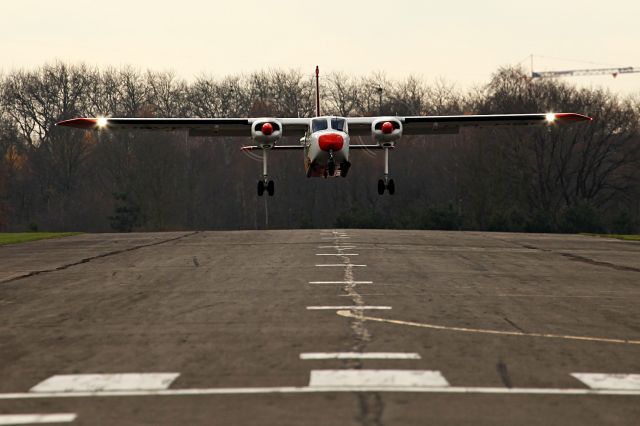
(572, 117)
(79, 123)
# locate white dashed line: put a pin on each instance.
(359, 355)
(30, 419)
(382, 378)
(338, 247)
(106, 382)
(354, 307)
(340, 282)
(336, 254)
(344, 264)
(609, 381)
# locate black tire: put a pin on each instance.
(260, 188)
(391, 186)
(270, 188)
(331, 168)
(380, 187)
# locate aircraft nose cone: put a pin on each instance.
(331, 142)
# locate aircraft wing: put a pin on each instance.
(195, 126)
(451, 124)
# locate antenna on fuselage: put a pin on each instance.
(317, 91)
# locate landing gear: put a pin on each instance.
(265, 183)
(331, 165)
(344, 168)
(386, 183)
(389, 185)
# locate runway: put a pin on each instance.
(348, 327)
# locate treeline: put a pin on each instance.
(581, 178)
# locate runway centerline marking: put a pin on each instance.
(29, 419)
(338, 247)
(340, 282)
(105, 382)
(381, 378)
(348, 314)
(354, 307)
(343, 264)
(609, 381)
(358, 355)
(336, 254)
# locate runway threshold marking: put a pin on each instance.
(29, 419)
(358, 355)
(323, 389)
(105, 382)
(348, 314)
(354, 307)
(381, 378)
(609, 381)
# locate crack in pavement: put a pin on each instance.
(371, 406)
(89, 259)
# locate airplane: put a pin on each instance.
(325, 140)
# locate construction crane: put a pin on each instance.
(592, 71)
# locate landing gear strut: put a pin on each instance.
(331, 165)
(265, 183)
(386, 183)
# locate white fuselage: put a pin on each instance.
(326, 146)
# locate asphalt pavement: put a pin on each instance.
(317, 327)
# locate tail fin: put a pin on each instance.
(317, 91)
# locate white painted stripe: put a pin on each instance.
(339, 247)
(393, 378)
(354, 307)
(359, 355)
(105, 382)
(322, 389)
(29, 419)
(336, 254)
(609, 381)
(344, 264)
(340, 282)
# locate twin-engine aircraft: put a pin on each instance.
(325, 140)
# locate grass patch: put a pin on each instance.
(23, 237)
(617, 236)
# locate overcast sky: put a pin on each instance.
(462, 41)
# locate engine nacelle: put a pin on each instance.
(386, 131)
(266, 132)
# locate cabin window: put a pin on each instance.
(338, 124)
(318, 124)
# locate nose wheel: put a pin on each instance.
(386, 183)
(265, 184)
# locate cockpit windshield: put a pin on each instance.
(318, 124)
(338, 124)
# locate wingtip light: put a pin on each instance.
(550, 117)
(101, 122)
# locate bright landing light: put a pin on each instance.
(550, 117)
(102, 121)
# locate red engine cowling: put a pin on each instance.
(386, 130)
(266, 132)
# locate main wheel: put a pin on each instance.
(380, 186)
(391, 186)
(270, 188)
(260, 188)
